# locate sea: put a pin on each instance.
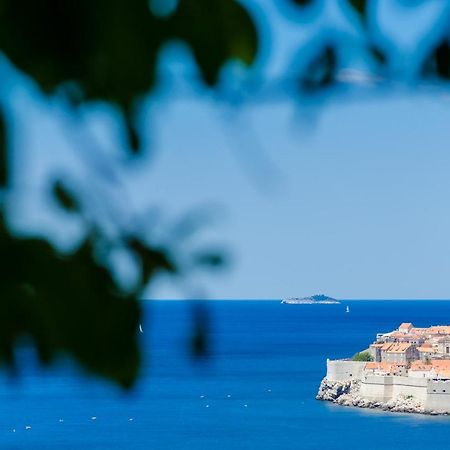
(255, 390)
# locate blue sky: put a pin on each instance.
(350, 198)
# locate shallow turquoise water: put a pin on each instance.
(256, 391)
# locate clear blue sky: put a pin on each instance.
(355, 206)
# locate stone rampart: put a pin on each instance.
(432, 395)
(438, 395)
(344, 370)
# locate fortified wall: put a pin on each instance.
(433, 394)
(344, 370)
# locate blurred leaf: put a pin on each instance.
(209, 259)
(65, 198)
(132, 134)
(360, 6)
(217, 31)
(379, 56)
(321, 71)
(438, 62)
(152, 259)
(3, 154)
(66, 304)
(303, 2)
(108, 50)
(199, 337)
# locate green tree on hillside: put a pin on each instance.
(362, 356)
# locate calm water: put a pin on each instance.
(256, 392)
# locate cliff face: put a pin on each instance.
(347, 394)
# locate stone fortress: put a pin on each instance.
(409, 371)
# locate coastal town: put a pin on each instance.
(412, 351)
(404, 370)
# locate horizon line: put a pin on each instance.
(280, 298)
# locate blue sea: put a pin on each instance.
(256, 391)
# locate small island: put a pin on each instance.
(313, 300)
(404, 370)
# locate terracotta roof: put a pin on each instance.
(443, 364)
(426, 349)
(387, 346)
(420, 365)
(405, 325)
(419, 330)
(439, 329)
(399, 347)
(383, 366)
(397, 334)
(440, 366)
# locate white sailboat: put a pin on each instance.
(140, 328)
(347, 310)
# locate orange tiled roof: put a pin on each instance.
(397, 334)
(383, 366)
(439, 329)
(419, 330)
(420, 365)
(440, 366)
(399, 347)
(405, 325)
(387, 346)
(426, 349)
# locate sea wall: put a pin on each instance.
(438, 395)
(384, 388)
(344, 370)
(346, 384)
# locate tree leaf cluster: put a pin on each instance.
(97, 50)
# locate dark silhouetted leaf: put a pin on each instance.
(320, 73)
(65, 197)
(66, 305)
(210, 259)
(3, 154)
(217, 31)
(152, 259)
(201, 323)
(303, 2)
(108, 50)
(379, 56)
(438, 63)
(360, 6)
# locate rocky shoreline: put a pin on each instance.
(347, 394)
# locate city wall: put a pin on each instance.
(344, 370)
(434, 394)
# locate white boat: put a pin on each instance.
(347, 310)
(140, 328)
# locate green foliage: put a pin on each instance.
(108, 51)
(359, 6)
(3, 154)
(362, 356)
(320, 73)
(69, 304)
(65, 198)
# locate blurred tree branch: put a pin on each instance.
(108, 51)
